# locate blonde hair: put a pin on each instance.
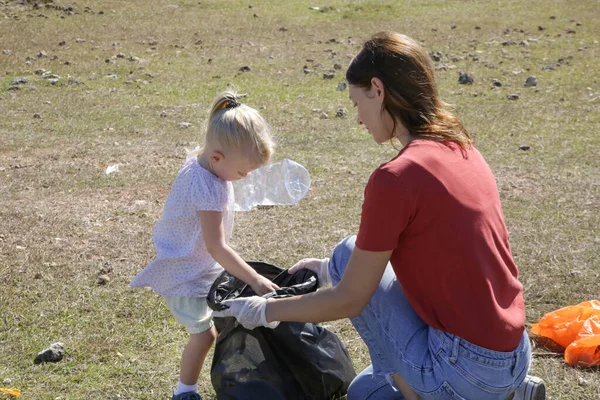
(411, 95)
(236, 126)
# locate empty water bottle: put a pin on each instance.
(283, 183)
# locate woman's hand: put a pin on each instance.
(319, 266)
(262, 285)
(249, 311)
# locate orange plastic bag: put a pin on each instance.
(14, 392)
(577, 330)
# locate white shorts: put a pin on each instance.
(191, 312)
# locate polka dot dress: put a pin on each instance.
(183, 266)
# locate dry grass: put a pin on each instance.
(63, 222)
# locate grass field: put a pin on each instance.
(98, 77)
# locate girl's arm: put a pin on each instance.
(345, 300)
(214, 238)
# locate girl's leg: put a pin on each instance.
(388, 325)
(193, 356)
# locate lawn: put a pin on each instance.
(88, 85)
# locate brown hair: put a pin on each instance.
(411, 96)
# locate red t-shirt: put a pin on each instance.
(440, 213)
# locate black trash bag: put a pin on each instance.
(295, 361)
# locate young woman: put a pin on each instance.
(429, 282)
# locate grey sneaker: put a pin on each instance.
(187, 396)
(532, 388)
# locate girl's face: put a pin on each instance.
(231, 165)
(369, 103)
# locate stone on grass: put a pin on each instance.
(323, 115)
(341, 113)
(184, 125)
(163, 113)
(464, 78)
(513, 96)
(524, 147)
(328, 75)
(54, 353)
(103, 279)
(246, 68)
(19, 81)
(496, 83)
(342, 86)
(531, 81)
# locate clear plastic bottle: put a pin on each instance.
(284, 183)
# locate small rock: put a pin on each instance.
(246, 68)
(184, 125)
(328, 75)
(120, 55)
(103, 279)
(342, 86)
(41, 54)
(7, 52)
(283, 29)
(40, 71)
(62, 43)
(307, 70)
(496, 83)
(37, 116)
(513, 96)
(341, 113)
(7, 381)
(38, 275)
(531, 81)
(163, 113)
(582, 381)
(576, 272)
(464, 78)
(571, 31)
(524, 147)
(323, 115)
(337, 66)
(54, 353)
(541, 28)
(19, 81)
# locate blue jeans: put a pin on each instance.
(436, 364)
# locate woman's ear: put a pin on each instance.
(377, 88)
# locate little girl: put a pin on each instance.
(191, 237)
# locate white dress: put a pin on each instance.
(183, 266)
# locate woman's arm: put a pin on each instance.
(345, 300)
(214, 239)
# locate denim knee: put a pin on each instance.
(340, 257)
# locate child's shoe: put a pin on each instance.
(187, 396)
(532, 388)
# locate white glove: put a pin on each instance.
(319, 266)
(249, 311)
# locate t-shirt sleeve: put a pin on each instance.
(386, 211)
(209, 195)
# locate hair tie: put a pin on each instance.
(230, 103)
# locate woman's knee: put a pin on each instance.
(340, 257)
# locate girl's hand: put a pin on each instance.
(262, 285)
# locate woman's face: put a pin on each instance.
(369, 103)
